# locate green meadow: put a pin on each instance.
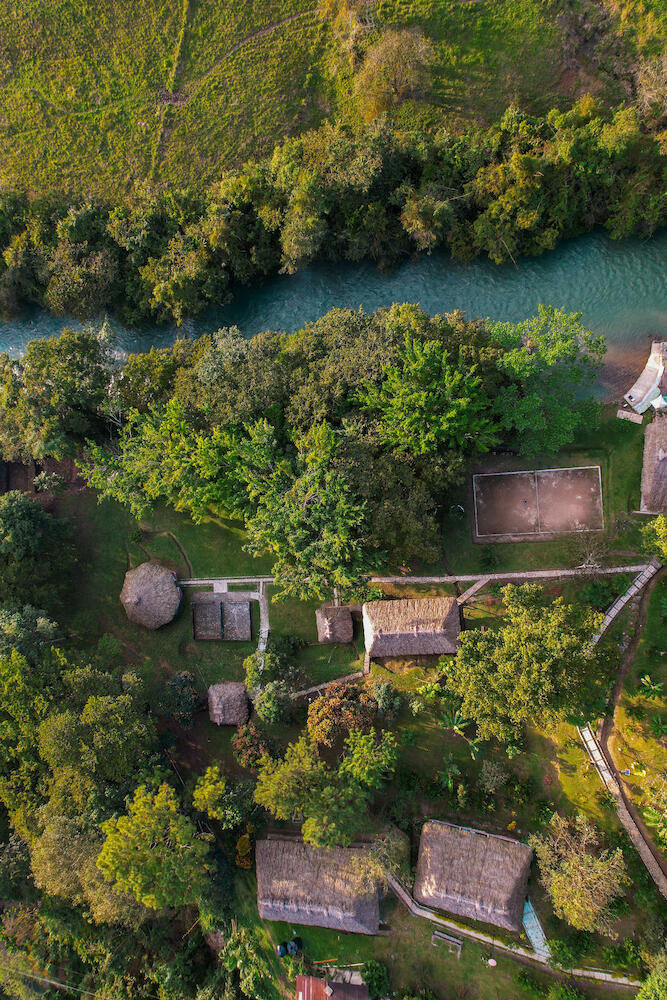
(105, 98)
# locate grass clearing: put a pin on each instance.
(99, 98)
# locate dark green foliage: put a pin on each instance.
(35, 554)
(52, 398)
(181, 698)
(376, 977)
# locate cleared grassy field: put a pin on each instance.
(102, 98)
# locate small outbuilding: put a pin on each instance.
(215, 617)
(300, 884)
(473, 874)
(654, 469)
(650, 389)
(427, 626)
(228, 703)
(311, 988)
(334, 624)
(150, 595)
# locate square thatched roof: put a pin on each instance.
(334, 624)
(206, 620)
(654, 469)
(312, 885)
(414, 627)
(228, 703)
(472, 874)
(236, 622)
(216, 616)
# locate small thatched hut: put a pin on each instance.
(312, 885)
(311, 988)
(472, 874)
(150, 595)
(423, 627)
(334, 624)
(228, 703)
(654, 469)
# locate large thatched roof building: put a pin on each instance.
(472, 874)
(150, 595)
(654, 469)
(334, 624)
(414, 627)
(228, 703)
(312, 885)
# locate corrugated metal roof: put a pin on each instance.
(310, 988)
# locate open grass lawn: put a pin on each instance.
(97, 98)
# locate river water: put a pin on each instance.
(620, 287)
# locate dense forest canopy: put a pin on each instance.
(350, 192)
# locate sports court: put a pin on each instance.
(537, 503)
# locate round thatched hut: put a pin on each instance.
(150, 595)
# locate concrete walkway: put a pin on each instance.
(633, 590)
(533, 928)
(531, 574)
(516, 951)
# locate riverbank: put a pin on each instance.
(620, 287)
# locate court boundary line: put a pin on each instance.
(533, 473)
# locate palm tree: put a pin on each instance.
(652, 689)
(455, 720)
(449, 773)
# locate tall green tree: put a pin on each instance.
(426, 402)
(52, 398)
(550, 361)
(538, 666)
(307, 519)
(25, 630)
(154, 852)
(35, 554)
(160, 456)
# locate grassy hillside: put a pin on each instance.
(104, 97)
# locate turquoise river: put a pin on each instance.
(619, 287)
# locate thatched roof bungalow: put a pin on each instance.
(654, 469)
(472, 874)
(312, 885)
(415, 627)
(150, 595)
(228, 703)
(310, 988)
(334, 624)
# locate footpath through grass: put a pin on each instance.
(99, 98)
